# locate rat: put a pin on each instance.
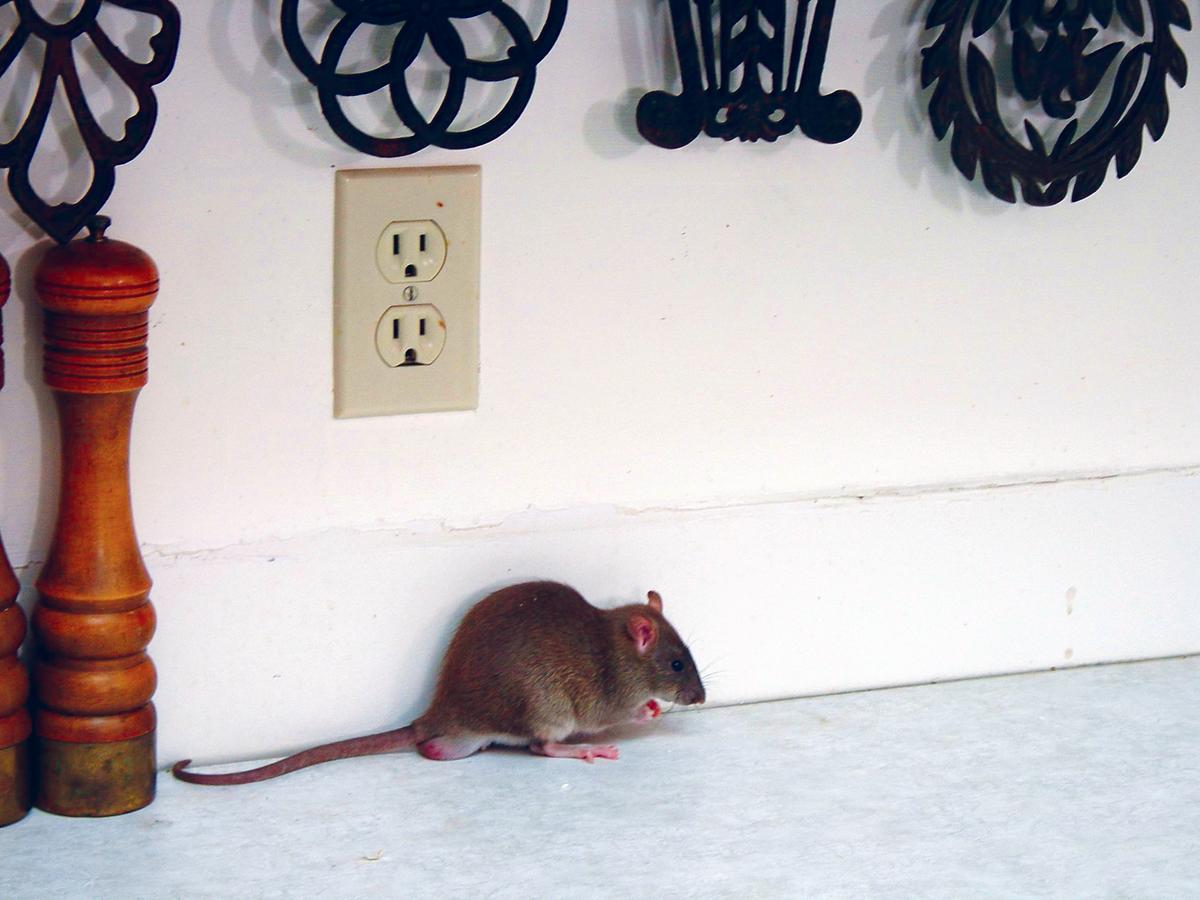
(530, 665)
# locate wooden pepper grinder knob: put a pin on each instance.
(14, 683)
(93, 680)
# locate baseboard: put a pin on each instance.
(268, 646)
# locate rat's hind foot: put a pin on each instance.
(586, 752)
(444, 748)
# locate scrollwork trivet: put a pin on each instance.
(418, 21)
(1054, 66)
(63, 220)
(723, 53)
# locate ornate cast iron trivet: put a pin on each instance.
(723, 52)
(421, 20)
(63, 220)
(1058, 64)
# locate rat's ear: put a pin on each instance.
(654, 600)
(643, 631)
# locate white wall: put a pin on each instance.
(693, 364)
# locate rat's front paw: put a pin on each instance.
(649, 711)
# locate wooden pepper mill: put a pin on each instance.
(14, 683)
(93, 681)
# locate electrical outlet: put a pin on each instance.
(406, 290)
(411, 335)
(411, 252)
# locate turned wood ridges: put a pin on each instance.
(14, 683)
(93, 679)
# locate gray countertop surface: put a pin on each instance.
(1075, 784)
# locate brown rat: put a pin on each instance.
(530, 665)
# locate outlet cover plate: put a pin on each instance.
(367, 202)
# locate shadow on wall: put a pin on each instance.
(46, 449)
(892, 80)
(648, 57)
(287, 113)
(280, 96)
(55, 171)
(901, 120)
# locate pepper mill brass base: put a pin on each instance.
(15, 772)
(96, 779)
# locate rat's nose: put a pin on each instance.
(689, 696)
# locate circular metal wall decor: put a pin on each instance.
(63, 220)
(741, 79)
(1060, 59)
(419, 21)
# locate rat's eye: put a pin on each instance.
(677, 665)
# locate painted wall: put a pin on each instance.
(853, 417)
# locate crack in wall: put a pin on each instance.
(272, 547)
(576, 518)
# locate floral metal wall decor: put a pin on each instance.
(1058, 65)
(420, 21)
(58, 39)
(743, 78)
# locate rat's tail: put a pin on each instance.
(385, 742)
